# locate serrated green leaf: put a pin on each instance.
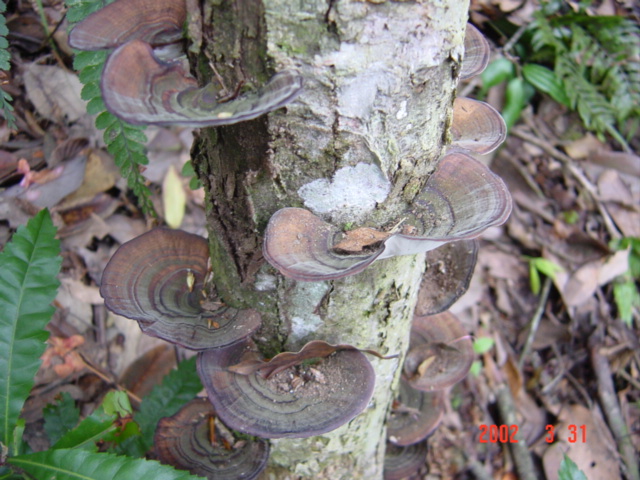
(29, 263)
(60, 417)
(100, 425)
(72, 464)
(546, 81)
(177, 388)
(570, 471)
(105, 120)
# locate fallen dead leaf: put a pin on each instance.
(54, 92)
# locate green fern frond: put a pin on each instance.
(124, 141)
(5, 58)
(595, 57)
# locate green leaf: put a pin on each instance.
(60, 417)
(483, 344)
(546, 81)
(626, 297)
(534, 279)
(99, 426)
(514, 101)
(5, 59)
(498, 71)
(546, 267)
(125, 142)
(72, 464)
(29, 264)
(177, 388)
(569, 470)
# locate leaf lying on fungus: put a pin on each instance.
(313, 349)
(461, 199)
(300, 401)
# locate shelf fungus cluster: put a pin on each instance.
(146, 79)
(440, 350)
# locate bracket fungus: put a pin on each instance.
(447, 276)
(476, 126)
(194, 439)
(461, 199)
(414, 416)
(476, 53)
(296, 402)
(402, 462)
(142, 89)
(440, 352)
(157, 22)
(158, 278)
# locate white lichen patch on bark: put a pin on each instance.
(349, 196)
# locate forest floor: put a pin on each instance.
(555, 359)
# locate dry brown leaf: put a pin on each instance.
(314, 349)
(596, 456)
(54, 92)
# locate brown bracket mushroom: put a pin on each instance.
(142, 89)
(298, 401)
(476, 126)
(476, 53)
(461, 199)
(447, 276)
(157, 22)
(158, 278)
(440, 352)
(402, 462)
(194, 440)
(414, 416)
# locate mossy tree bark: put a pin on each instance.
(379, 84)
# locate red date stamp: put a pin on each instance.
(507, 433)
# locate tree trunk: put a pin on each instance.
(379, 84)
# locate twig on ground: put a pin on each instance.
(577, 174)
(607, 395)
(519, 449)
(106, 379)
(535, 321)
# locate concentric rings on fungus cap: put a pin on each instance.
(299, 401)
(157, 279)
(191, 440)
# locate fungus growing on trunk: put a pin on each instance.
(402, 462)
(447, 276)
(297, 399)
(157, 22)
(476, 53)
(476, 126)
(414, 415)
(158, 279)
(440, 352)
(195, 440)
(141, 89)
(461, 199)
